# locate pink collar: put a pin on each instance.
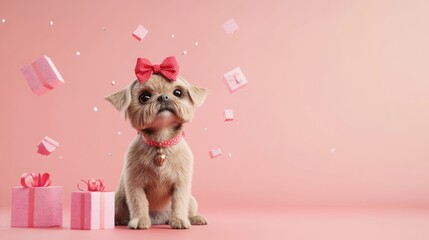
(167, 143)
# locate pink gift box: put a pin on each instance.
(92, 210)
(37, 207)
(235, 79)
(228, 115)
(47, 146)
(42, 75)
(140, 33)
(230, 26)
(215, 152)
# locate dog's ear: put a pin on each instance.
(122, 99)
(198, 95)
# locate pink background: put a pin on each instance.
(335, 112)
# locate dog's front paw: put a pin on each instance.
(177, 223)
(139, 223)
(198, 220)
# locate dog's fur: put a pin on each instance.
(147, 193)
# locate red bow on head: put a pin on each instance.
(168, 68)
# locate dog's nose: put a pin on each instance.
(163, 98)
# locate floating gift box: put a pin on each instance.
(228, 115)
(36, 204)
(215, 152)
(140, 33)
(42, 75)
(230, 26)
(47, 146)
(91, 208)
(235, 79)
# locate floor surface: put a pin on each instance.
(345, 224)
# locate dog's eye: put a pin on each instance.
(144, 97)
(178, 93)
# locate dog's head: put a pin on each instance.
(158, 103)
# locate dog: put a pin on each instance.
(155, 185)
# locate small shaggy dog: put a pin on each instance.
(155, 185)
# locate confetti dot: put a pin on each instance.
(95, 109)
(104, 28)
(119, 133)
(172, 35)
(184, 52)
(51, 23)
(196, 43)
(110, 154)
(205, 129)
(113, 83)
(332, 150)
(77, 53)
(60, 157)
(3, 20)
(230, 155)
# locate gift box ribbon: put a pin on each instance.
(92, 185)
(31, 181)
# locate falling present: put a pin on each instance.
(215, 152)
(42, 75)
(235, 79)
(140, 33)
(47, 146)
(230, 26)
(228, 115)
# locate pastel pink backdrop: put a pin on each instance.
(335, 112)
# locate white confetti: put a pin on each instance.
(77, 53)
(60, 157)
(95, 109)
(51, 23)
(332, 150)
(205, 129)
(3, 20)
(110, 154)
(229, 155)
(172, 35)
(119, 133)
(196, 43)
(184, 52)
(113, 83)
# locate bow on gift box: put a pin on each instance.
(92, 185)
(168, 68)
(35, 180)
